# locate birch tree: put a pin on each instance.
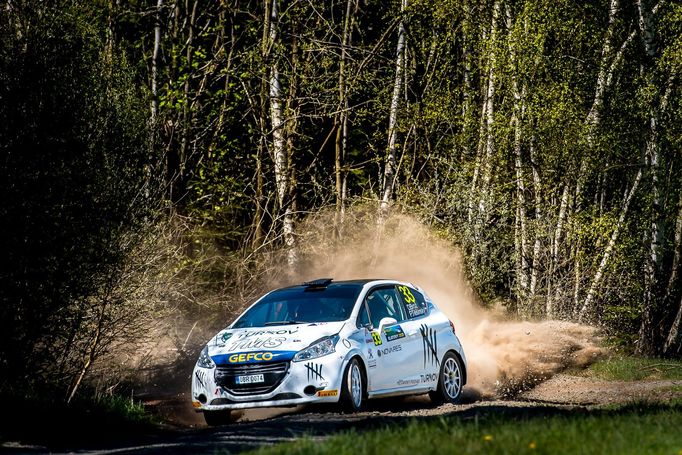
(391, 150)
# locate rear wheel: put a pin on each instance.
(449, 381)
(353, 388)
(217, 418)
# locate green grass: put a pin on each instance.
(634, 429)
(621, 368)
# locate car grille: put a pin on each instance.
(273, 373)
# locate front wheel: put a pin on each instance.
(449, 381)
(353, 388)
(217, 418)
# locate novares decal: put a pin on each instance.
(394, 332)
(386, 351)
(253, 357)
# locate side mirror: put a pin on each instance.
(385, 322)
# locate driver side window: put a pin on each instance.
(384, 303)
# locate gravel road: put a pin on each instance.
(560, 395)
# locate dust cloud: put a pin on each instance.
(504, 356)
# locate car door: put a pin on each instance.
(388, 347)
(421, 339)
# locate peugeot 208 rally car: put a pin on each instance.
(326, 341)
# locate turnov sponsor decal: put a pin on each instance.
(253, 357)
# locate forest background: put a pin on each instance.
(159, 159)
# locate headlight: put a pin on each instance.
(320, 348)
(205, 360)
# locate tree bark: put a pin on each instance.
(596, 281)
(483, 209)
(154, 76)
(538, 219)
(516, 123)
(265, 49)
(648, 336)
(341, 122)
(673, 342)
(186, 112)
(549, 306)
(390, 164)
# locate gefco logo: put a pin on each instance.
(246, 357)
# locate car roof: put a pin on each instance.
(356, 282)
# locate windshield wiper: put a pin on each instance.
(285, 322)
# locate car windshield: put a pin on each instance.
(300, 305)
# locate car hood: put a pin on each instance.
(267, 344)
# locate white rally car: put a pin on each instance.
(327, 341)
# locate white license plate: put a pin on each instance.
(250, 379)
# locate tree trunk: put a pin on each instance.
(390, 164)
(516, 123)
(111, 29)
(266, 46)
(549, 307)
(648, 335)
(483, 209)
(186, 111)
(341, 122)
(291, 123)
(538, 219)
(596, 281)
(673, 342)
(91, 353)
(154, 76)
(468, 90)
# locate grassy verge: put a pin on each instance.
(634, 429)
(622, 368)
(44, 420)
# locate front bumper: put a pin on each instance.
(314, 381)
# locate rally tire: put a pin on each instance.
(450, 380)
(217, 418)
(353, 387)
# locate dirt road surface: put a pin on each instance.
(560, 395)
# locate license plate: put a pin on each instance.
(250, 379)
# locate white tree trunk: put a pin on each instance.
(282, 177)
(520, 238)
(390, 165)
(538, 219)
(605, 70)
(483, 209)
(596, 281)
(549, 307)
(155, 60)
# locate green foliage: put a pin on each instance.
(77, 196)
(627, 368)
